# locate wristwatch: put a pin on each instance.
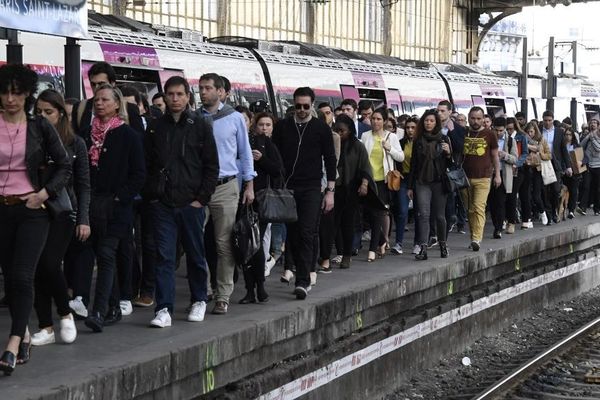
(328, 189)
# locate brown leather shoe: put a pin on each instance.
(143, 301)
(220, 308)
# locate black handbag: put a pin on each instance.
(246, 235)
(276, 205)
(455, 179)
(60, 207)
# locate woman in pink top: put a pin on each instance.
(26, 143)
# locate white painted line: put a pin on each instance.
(351, 362)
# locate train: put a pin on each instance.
(146, 56)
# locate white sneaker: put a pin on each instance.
(336, 260)
(162, 319)
(397, 249)
(544, 218)
(197, 312)
(313, 278)
(416, 249)
(269, 265)
(42, 337)
(527, 225)
(78, 307)
(126, 307)
(68, 330)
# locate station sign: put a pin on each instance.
(54, 17)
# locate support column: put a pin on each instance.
(550, 89)
(14, 49)
(387, 31)
(523, 85)
(72, 69)
(223, 18)
(310, 22)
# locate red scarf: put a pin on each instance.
(99, 131)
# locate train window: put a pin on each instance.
(592, 111)
(495, 107)
(478, 101)
(409, 107)
(247, 97)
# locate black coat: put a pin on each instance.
(560, 155)
(269, 168)
(441, 161)
(187, 153)
(43, 144)
(120, 174)
(79, 184)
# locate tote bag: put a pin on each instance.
(548, 174)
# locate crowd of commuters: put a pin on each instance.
(148, 182)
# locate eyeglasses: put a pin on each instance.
(302, 106)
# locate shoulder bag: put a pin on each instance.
(548, 174)
(393, 176)
(246, 235)
(455, 178)
(276, 205)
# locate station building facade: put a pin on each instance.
(425, 30)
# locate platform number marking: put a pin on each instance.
(518, 264)
(358, 318)
(208, 376)
(450, 287)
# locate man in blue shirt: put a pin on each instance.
(232, 142)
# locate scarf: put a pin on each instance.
(429, 143)
(99, 131)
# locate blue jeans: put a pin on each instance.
(169, 222)
(401, 202)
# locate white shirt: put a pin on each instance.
(549, 136)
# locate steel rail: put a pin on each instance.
(534, 363)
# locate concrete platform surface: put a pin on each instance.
(131, 360)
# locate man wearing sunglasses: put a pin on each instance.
(305, 143)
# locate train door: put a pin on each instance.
(592, 111)
(495, 107)
(478, 101)
(147, 81)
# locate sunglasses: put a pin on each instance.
(302, 106)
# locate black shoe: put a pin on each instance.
(443, 250)
(24, 352)
(497, 234)
(571, 215)
(95, 321)
(261, 293)
(113, 316)
(301, 292)
(248, 298)
(555, 219)
(355, 252)
(8, 362)
(422, 254)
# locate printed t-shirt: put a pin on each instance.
(477, 153)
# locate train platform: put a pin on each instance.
(254, 350)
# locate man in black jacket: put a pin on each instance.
(305, 143)
(183, 166)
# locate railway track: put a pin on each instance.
(567, 369)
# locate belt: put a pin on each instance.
(225, 179)
(11, 200)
